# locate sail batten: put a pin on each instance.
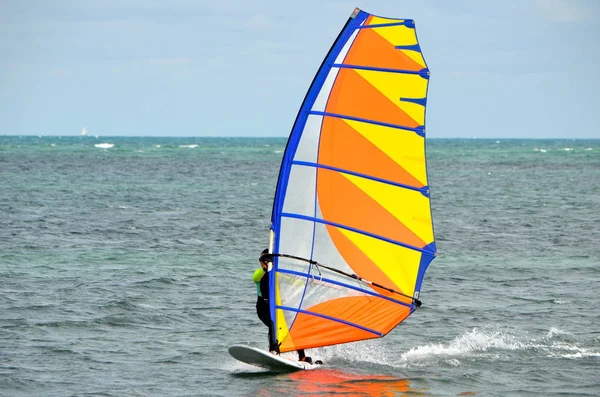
(349, 228)
(422, 189)
(408, 23)
(423, 72)
(353, 192)
(418, 130)
(363, 288)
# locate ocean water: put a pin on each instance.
(125, 270)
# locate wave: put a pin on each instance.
(494, 343)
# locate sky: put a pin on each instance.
(499, 69)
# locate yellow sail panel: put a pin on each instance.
(375, 103)
(395, 85)
(374, 20)
(361, 204)
(407, 149)
(397, 35)
(370, 48)
(282, 327)
(415, 56)
(353, 145)
(396, 200)
(400, 265)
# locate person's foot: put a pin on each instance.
(318, 362)
(306, 360)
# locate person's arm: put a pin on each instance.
(258, 273)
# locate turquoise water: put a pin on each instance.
(125, 270)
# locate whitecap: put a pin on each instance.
(582, 354)
(104, 145)
(557, 332)
(470, 343)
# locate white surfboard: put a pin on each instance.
(261, 358)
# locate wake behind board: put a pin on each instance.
(260, 358)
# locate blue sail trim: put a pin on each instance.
(349, 228)
(423, 190)
(328, 280)
(418, 130)
(337, 320)
(426, 259)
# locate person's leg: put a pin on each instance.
(263, 312)
(302, 357)
(272, 342)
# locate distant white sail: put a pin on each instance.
(84, 131)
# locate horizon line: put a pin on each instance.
(271, 137)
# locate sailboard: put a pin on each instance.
(261, 358)
(351, 228)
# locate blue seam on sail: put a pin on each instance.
(409, 23)
(331, 281)
(423, 190)
(330, 318)
(375, 69)
(325, 222)
(418, 130)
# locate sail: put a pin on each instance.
(352, 192)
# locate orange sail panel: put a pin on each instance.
(352, 226)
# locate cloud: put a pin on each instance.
(563, 10)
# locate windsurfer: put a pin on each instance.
(261, 278)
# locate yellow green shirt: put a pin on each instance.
(258, 274)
